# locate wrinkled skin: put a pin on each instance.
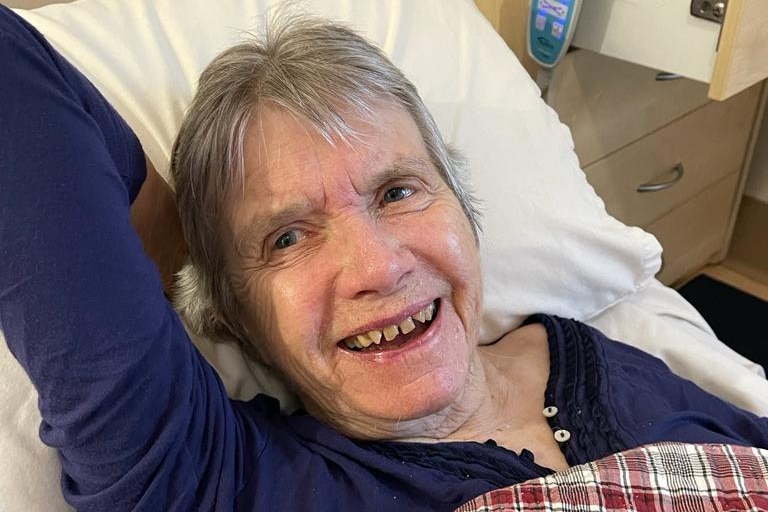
(333, 240)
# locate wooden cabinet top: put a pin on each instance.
(662, 35)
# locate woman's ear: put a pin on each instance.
(156, 220)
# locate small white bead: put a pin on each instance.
(562, 435)
(550, 411)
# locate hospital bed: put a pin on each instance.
(547, 243)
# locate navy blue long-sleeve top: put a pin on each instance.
(139, 418)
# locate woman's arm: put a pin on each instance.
(140, 420)
(654, 404)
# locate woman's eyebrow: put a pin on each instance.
(400, 167)
(263, 223)
(408, 164)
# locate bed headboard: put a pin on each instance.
(509, 18)
(156, 220)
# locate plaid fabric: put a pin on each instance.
(652, 478)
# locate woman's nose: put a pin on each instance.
(372, 259)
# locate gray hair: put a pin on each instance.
(312, 68)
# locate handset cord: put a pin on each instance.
(543, 79)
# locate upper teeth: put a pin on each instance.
(391, 331)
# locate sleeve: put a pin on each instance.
(140, 420)
(652, 404)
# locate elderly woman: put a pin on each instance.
(334, 236)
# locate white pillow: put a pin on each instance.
(548, 244)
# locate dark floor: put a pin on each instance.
(739, 319)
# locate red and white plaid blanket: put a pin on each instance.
(652, 478)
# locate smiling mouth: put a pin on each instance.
(393, 336)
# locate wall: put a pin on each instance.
(748, 253)
(757, 183)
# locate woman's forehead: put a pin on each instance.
(284, 150)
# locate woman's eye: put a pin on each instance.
(287, 239)
(397, 194)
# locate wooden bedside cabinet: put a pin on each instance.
(660, 154)
(630, 130)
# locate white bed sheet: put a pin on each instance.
(661, 322)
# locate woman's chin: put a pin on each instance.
(408, 411)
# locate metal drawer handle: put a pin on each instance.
(678, 172)
(663, 76)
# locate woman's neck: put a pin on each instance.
(504, 395)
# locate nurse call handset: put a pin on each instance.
(551, 24)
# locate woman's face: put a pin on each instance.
(348, 245)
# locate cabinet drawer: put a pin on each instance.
(609, 103)
(709, 143)
(694, 233)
